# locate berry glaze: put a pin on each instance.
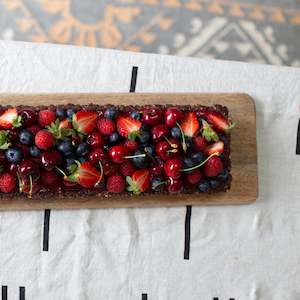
(105, 150)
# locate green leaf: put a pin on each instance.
(208, 133)
(17, 122)
(133, 135)
(4, 143)
(132, 186)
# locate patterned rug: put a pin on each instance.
(263, 31)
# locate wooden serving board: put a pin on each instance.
(244, 188)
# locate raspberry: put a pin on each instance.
(49, 177)
(199, 143)
(131, 145)
(115, 184)
(213, 166)
(127, 168)
(106, 126)
(194, 177)
(44, 139)
(46, 117)
(7, 182)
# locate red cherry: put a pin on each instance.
(131, 145)
(172, 115)
(24, 149)
(97, 154)
(2, 156)
(165, 151)
(194, 177)
(152, 116)
(158, 132)
(50, 159)
(110, 168)
(96, 139)
(157, 169)
(173, 167)
(26, 189)
(117, 153)
(13, 168)
(174, 185)
(50, 178)
(29, 117)
(29, 168)
(14, 135)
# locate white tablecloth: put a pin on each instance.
(241, 252)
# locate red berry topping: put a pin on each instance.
(219, 122)
(96, 155)
(50, 159)
(199, 143)
(95, 139)
(189, 124)
(172, 116)
(34, 129)
(139, 182)
(110, 168)
(49, 178)
(7, 182)
(166, 150)
(173, 168)
(29, 117)
(174, 186)
(106, 126)
(128, 127)
(84, 121)
(127, 168)
(46, 117)
(213, 166)
(194, 177)
(44, 139)
(158, 132)
(10, 119)
(117, 153)
(131, 145)
(115, 184)
(152, 116)
(217, 147)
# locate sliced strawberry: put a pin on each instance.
(86, 175)
(128, 127)
(139, 182)
(190, 124)
(85, 121)
(65, 124)
(219, 122)
(217, 147)
(10, 119)
(61, 129)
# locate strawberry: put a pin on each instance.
(84, 121)
(189, 124)
(127, 168)
(213, 167)
(131, 145)
(199, 143)
(44, 139)
(115, 184)
(10, 119)
(7, 183)
(61, 129)
(46, 117)
(86, 175)
(208, 133)
(219, 122)
(106, 126)
(128, 127)
(139, 182)
(217, 147)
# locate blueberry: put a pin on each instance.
(34, 151)
(223, 176)
(110, 113)
(135, 115)
(114, 138)
(145, 127)
(13, 155)
(70, 112)
(214, 183)
(82, 149)
(223, 138)
(189, 142)
(150, 150)
(187, 162)
(140, 162)
(197, 157)
(204, 186)
(26, 137)
(175, 133)
(61, 113)
(66, 148)
(157, 184)
(144, 137)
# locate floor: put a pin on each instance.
(266, 31)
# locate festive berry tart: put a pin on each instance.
(105, 150)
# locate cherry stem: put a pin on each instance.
(159, 184)
(184, 146)
(200, 165)
(61, 171)
(134, 156)
(30, 186)
(172, 151)
(21, 184)
(101, 172)
(170, 143)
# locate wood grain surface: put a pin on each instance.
(244, 188)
